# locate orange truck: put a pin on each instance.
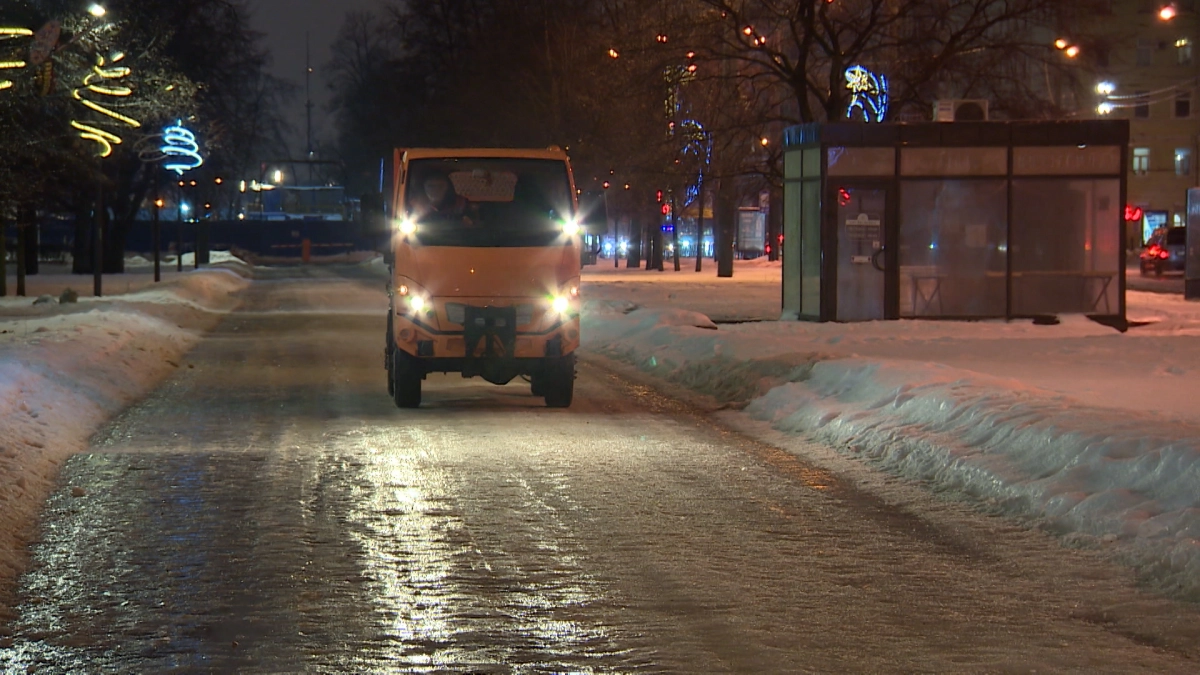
(485, 260)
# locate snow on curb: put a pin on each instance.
(1129, 481)
(63, 374)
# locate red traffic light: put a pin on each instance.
(1133, 213)
(658, 196)
(666, 209)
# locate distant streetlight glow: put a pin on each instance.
(1072, 51)
(1105, 88)
(1167, 12)
(1060, 43)
(97, 10)
(278, 176)
(1104, 108)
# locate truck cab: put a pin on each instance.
(485, 264)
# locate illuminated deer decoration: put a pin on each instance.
(868, 94)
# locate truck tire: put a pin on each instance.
(537, 385)
(388, 350)
(558, 381)
(406, 380)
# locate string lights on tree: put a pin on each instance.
(101, 81)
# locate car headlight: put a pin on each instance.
(561, 304)
(416, 302)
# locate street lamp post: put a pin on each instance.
(97, 234)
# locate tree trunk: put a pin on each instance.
(81, 248)
(20, 259)
(27, 220)
(114, 246)
(3, 258)
(725, 216)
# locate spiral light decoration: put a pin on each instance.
(5, 34)
(97, 82)
(181, 149)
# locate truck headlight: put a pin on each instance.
(406, 226)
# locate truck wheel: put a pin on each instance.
(388, 350)
(391, 378)
(406, 380)
(558, 381)
(537, 385)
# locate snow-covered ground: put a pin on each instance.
(1078, 428)
(66, 368)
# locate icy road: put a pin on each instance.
(269, 510)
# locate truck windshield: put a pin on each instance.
(488, 202)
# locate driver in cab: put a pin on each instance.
(437, 200)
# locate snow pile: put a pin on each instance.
(65, 369)
(1045, 423)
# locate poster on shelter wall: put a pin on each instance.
(752, 231)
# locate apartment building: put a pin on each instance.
(1147, 68)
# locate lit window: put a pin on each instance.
(1183, 49)
(1183, 161)
(1141, 161)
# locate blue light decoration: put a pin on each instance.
(869, 94)
(181, 149)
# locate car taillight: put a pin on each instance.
(1154, 250)
(1163, 254)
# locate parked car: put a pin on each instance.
(1166, 251)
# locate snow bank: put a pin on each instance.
(1128, 480)
(65, 369)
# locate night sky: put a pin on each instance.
(285, 23)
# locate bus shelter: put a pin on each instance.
(954, 220)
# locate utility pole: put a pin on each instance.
(700, 183)
(308, 106)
